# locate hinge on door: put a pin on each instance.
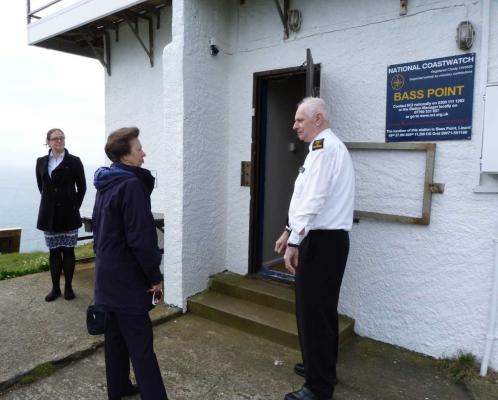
(245, 173)
(403, 7)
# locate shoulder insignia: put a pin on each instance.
(318, 144)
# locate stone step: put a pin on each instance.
(266, 293)
(255, 306)
(269, 323)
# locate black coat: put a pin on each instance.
(125, 240)
(61, 194)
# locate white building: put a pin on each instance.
(424, 285)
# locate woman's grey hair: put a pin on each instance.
(314, 105)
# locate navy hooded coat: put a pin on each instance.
(125, 239)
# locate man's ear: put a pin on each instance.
(318, 119)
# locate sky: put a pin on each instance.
(43, 89)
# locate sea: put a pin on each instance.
(20, 199)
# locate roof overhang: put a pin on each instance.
(82, 27)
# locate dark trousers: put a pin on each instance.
(322, 260)
(129, 336)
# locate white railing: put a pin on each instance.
(36, 12)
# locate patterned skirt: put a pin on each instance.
(61, 239)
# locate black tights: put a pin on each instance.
(62, 258)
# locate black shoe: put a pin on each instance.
(299, 369)
(131, 391)
(52, 295)
(69, 294)
(304, 394)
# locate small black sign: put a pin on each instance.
(430, 100)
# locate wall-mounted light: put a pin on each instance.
(465, 35)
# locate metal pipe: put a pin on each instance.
(483, 80)
(491, 335)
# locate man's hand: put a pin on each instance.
(290, 258)
(281, 243)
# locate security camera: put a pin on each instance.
(213, 49)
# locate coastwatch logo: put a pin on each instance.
(397, 82)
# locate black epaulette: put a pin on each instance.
(317, 144)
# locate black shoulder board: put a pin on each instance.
(318, 144)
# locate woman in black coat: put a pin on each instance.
(128, 280)
(61, 181)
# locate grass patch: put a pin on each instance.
(84, 251)
(41, 371)
(463, 367)
(18, 264)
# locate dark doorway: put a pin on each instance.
(277, 154)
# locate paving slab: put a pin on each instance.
(201, 359)
(34, 332)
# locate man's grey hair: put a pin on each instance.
(314, 105)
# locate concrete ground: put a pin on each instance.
(46, 354)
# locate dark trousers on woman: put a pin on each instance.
(322, 260)
(129, 336)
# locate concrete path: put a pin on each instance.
(34, 332)
(199, 359)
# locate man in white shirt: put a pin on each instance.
(316, 245)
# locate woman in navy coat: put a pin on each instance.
(61, 180)
(127, 274)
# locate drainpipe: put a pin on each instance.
(491, 335)
(483, 80)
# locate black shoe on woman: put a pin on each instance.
(69, 294)
(52, 295)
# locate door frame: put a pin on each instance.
(260, 79)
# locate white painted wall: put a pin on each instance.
(180, 107)
(426, 288)
(134, 97)
(196, 180)
(174, 116)
(205, 138)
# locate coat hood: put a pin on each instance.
(107, 177)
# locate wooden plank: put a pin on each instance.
(10, 240)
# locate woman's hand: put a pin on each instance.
(157, 293)
(156, 288)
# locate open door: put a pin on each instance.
(277, 154)
(312, 76)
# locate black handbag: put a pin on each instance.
(95, 320)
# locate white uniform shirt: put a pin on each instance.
(323, 195)
(53, 162)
